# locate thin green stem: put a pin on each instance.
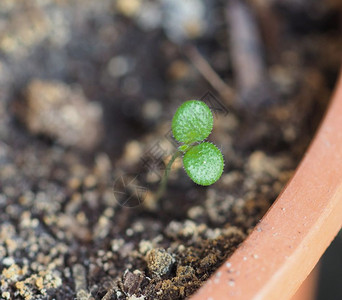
(162, 186)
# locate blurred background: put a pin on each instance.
(87, 86)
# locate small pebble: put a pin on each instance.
(159, 262)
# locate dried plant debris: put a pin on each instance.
(80, 101)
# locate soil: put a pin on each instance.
(88, 88)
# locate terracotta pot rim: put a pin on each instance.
(285, 246)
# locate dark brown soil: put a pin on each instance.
(88, 87)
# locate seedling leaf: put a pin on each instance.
(204, 163)
(192, 122)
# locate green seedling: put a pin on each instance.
(203, 161)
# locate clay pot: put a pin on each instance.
(285, 246)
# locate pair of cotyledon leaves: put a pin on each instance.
(191, 124)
